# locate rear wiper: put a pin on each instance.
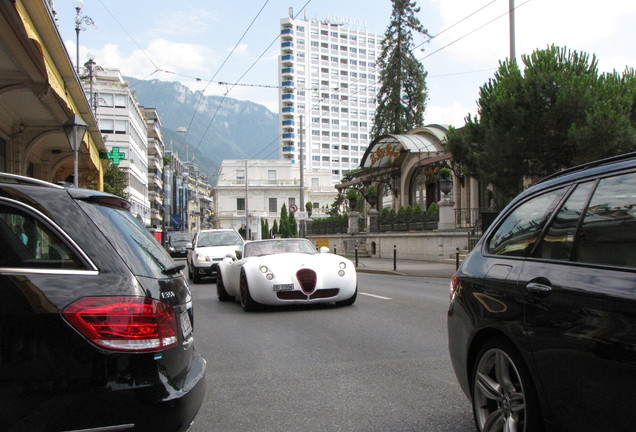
(175, 268)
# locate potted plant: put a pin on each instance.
(309, 207)
(352, 196)
(372, 195)
(445, 180)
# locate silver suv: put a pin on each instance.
(209, 247)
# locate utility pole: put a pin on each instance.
(302, 168)
(247, 213)
(302, 180)
(513, 54)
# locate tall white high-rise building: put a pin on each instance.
(327, 77)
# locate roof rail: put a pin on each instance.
(18, 179)
(587, 165)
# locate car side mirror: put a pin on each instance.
(239, 254)
(324, 249)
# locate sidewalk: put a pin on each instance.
(405, 267)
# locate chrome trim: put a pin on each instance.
(106, 428)
(56, 228)
(29, 180)
(68, 272)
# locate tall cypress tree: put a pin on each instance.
(403, 92)
(283, 226)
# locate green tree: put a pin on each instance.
(275, 228)
(293, 225)
(283, 226)
(115, 181)
(403, 92)
(556, 113)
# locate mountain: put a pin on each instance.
(223, 128)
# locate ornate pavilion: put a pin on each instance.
(404, 169)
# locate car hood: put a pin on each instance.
(217, 251)
(300, 260)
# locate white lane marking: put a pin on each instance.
(376, 296)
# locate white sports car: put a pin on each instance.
(286, 271)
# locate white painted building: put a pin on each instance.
(261, 187)
(327, 75)
(125, 132)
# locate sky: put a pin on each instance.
(202, 43)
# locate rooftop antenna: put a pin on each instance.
(291, 12)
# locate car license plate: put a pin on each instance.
(186, 325)
(283, 287)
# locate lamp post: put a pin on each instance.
(79, 19)
(75, 129)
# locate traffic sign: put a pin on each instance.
(293, 208)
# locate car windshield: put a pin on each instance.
(219, 238)
(270, 247)
(184, 237)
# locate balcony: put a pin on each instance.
(289, 122)
(287, 70)
(287, 31)
(289, 148)
(288, 96)
(288, 109)
(288, 83)
(287, 45)
(287, 57)
(288, 135)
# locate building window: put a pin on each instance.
(120, 101)
(240, 204)
(271, 176)
(273, 205)
(106, 126)
(240, 174)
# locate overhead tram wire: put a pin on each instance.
(242, 76)
(196, 109)
(377, 82)
(474, 31)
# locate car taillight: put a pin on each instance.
(136, 324)
(454, 284)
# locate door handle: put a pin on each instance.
(539, 289)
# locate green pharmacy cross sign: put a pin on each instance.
(115, 155)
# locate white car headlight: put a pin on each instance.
(201, 258)
(268, 274)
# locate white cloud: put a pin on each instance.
(453, 114)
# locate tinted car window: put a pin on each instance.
(518, 232)
(608, 233)
(28, 243)
(132, 241)
(559, 238)
(218, 238)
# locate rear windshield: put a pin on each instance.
(131, 239)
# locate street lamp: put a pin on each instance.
(79, 19)
(75, 129)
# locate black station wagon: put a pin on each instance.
(542, 320)
(96, 323)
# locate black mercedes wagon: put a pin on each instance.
(96, 320)
(542, 319)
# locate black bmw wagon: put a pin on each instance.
(542, 319)
(96, 320)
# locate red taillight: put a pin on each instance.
(454, 284)
(124, 323)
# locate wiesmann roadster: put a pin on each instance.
(283, 272)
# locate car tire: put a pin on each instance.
(351, 300)
(221, 293)
(503, 394)
(190, 275)
(196, 278)
(247, 302)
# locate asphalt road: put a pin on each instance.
(379, 365)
